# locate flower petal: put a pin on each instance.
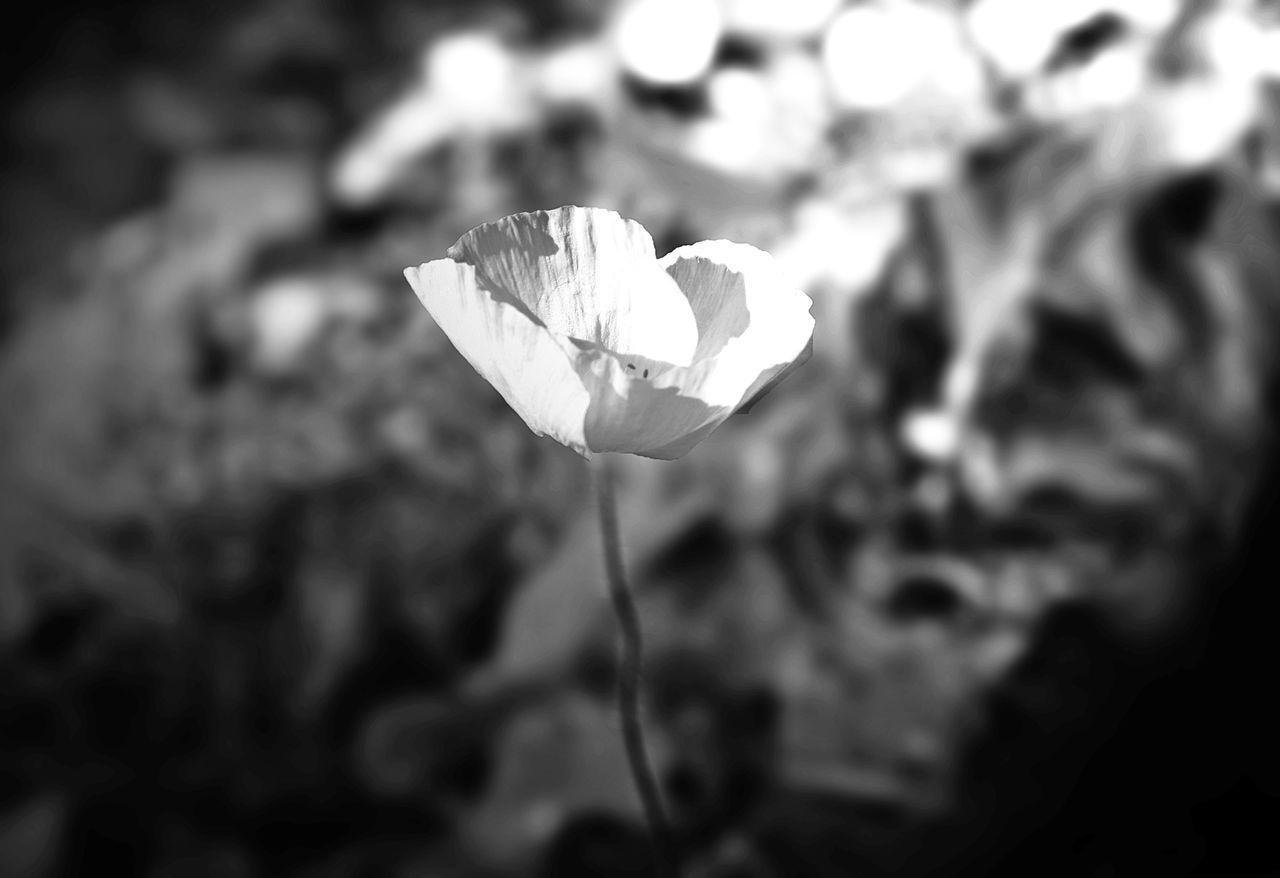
(651, 417)
(531, 367)
(755, 330)
(588, 274)
(751, 321)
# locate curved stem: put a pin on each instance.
(631, 651)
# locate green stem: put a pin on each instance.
(631, 652)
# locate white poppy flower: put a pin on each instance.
(605, 348)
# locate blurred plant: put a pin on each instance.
(600, 346)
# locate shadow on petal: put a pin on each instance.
(649, 421)
(686, 443)
(585, 273)
(506, 241)
(503, 254)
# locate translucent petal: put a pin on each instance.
(754, 330)
(649, 417)
(533, 369)
(747, 313)
(587, 274)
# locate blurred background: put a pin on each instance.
(987, 588)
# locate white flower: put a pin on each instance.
(601, 346)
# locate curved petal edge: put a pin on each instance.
(532, 368)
